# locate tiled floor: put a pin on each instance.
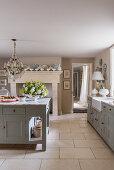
(72, 144)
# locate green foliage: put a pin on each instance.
(31, 88)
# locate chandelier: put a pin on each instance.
(14, 67)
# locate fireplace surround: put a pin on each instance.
(53, 77)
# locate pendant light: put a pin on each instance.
(14, 67)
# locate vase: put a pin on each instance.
(32, 98)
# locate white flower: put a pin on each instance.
(32, 90)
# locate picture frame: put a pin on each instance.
(2, 73)
(66, 74)
(66, 85)
(3, 82)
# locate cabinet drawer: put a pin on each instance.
(104, 107)
(13, 110)
(108, 108)
(34, 109)
(0, 110)
(111, 110)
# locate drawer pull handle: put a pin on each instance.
(13, 110)
(96, 119)
(102, 123)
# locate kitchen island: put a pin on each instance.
(18, 119)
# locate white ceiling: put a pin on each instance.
(67, 28)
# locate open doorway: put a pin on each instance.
(81, 86)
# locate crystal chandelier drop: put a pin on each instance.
(14, 67)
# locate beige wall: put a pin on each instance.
(67, 94)
(66, 64)
(105, 55)
(41, 60)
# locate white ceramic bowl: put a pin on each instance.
(104, 92)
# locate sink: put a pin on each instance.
(97, 102)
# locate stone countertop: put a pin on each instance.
(111, 103)
(42, 101)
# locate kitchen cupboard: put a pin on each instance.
(15, 122)
(103, 122)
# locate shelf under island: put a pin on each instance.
(25, 122)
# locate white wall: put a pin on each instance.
(112, 71)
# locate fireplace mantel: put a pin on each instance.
(44, 76)
(53, 77)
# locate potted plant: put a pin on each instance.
(34, 90)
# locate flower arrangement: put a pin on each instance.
(34, 88)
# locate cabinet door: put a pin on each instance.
(89, 113)
(103, 125)
(110, 130)
(14, 129)
(1, 129)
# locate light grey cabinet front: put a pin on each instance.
(1, 129)
(108, 113)
(14, 128)
(102, 121)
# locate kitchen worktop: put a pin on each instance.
(97, 102)
(41, 101)
(111, 103)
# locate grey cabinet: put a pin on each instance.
(108, 113)
(1, 129)
(90, 116)
(16, 126)
(103, 121)
(103, 125)
(14, 129)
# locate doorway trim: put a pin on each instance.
(90, 77)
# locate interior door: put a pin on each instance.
(14, 126)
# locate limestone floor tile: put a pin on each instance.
(12, 153)
(69, 136)
(51, 153)
(103, 153)
(89, 143)
(21, 164)
(53, 135)
(64, 129)
(81, 130)
(84, 125)
(65, 136)
(77, 136)
(97, 164)
(77, 153)
(59, 143)
(94, 136)
(60, 165)
(1, 161)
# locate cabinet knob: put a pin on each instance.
(102, 123)
(4, 127)
(104, 107)
(110, 109)
(13, 110)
